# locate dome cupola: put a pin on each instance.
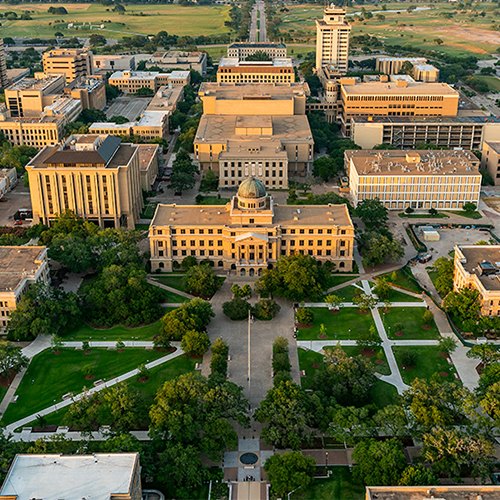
(251, 194)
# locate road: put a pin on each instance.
(258, 35)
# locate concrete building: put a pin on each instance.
(105, 63)
(258, 128)
(250, 233)
(467, 132)
(148, 164)
(179, 79)
(29, 96)
(478, 267)
(242, 50)
(176, 59)
(395, 99)
(73, 63)
(235, 70)
(455, 492)
(97, 177)
(101, 476)
(8, 180)
(16, 74)
(422, 71)
(443, 180)
(64, 106)
(132, 81)
(90, 91)
(332, 40)
(490, 159)
(20, 267)
(3, 67)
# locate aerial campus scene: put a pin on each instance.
(250, 250)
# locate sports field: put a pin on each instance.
(137, 20)
(463, 33)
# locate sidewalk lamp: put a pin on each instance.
(349, 334)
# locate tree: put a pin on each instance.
(44, 310)
(438, 41)
(266, 309)
(85, 413)
(12, 359)
(349, 423)
(369, 340)
(285, 411)
(428, 317)
(56, 343)
(202, 281)
(112, 92)
(289, 471)
(379, 463)
(407, 357)
(201, 311)
(325, 168)
(382, 288)
(364, 301)
(219, 346)
(304, 316)
(246, 291)
(125, 405)
(392, 421)
(175, 324)
(486, 353)
(189, 262)
(406, 69)
(96, 40)
(377, 248)
(195, 343)
(418, 475)
(236, 309)
(183, 172)
(465, 303)
(447, 344)
(236, 290)
(333, 301)
(118, 119)
(259, 55)
(372, 212)
(444, 280)
(88, 116)
(469, 207)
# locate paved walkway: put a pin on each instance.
(152, 281)
(56, 407)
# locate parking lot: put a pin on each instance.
(18, 198)
(129, 107)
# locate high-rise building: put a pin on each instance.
(3, 66)
(74, 63)
(332, 40)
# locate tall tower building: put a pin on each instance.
(332, 40)
(3, 67)
(74, 63)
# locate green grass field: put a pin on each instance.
(338, 279)
(494, 84)
(411, 317)
(403, 281)
(176, 282)
(49, 377)
(338, 486)
(428, 362)
(346, 323)
(347, 293)
(118, 332)
(175, 19)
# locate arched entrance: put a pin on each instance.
(233, 267)
(243, 272)
(251, 272)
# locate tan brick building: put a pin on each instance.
(444, 179)
(90, 91)
(148, 164)
(20, 267)
(478, 267)
(73, 63)
(3, 66)
(250, 233)
(97, 177)
(490, 159)
(236, 117)
(235, 70)
(244, 49)
(132, 81)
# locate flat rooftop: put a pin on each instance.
(277, 62)
(146, 153)
(287, 215)
(413, 60)
(460, 492)
(479, 254)
(430, 120)
(142, 75)
(425, 67)
(414, 162)
(27, 119)
(221, 128)
(257, 45)
(412, 88)
(152, 118)
(495, 145)
(264, 148)
(273, 91)
(110, 126)
(165, 99)
(34, 83)
(55, 477)
(16, 263)
(179, 74)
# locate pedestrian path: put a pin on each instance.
(169, 288)
(121, 378)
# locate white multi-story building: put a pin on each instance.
(332, 40)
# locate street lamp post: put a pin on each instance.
(249, 374)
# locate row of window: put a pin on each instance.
(233, 233)
(220, 253)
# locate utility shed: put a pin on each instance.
(430, 234)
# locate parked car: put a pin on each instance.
(424, 258)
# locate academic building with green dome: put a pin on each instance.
(250, 233)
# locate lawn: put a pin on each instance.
(49, 377)
(142, 227)
(411, 317)
(399, 296)
(427, 363)
(423, 216)
(118, 332)
(176, 282)
(148, 211)
(348, 292)
(338, 279)
(338, 486)
(403, 281)
(145, 19)
(492, 81)
(341, 323)
(470, 215)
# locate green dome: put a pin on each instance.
(251, 189)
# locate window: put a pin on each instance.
(174, 243)
(191, 231)
(174, 231)
(328, 252)
(174, 253)
(202, 253)
(184, 252)
(160, 254)
(183, 243)
(210, 243)
(342, 253)
(202, 243)
(301, 231)
(301, 243)
(202, 231)
(219, 231)
(319, 252)
(183, 231)
(328, 243)
(219, 243)
(292, 231)
(310, 243)
(220, 253)
(192, 243)
(252, 221)
(311, 231)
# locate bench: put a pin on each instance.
(66, 396)
(98, 382)
(197, 366)
(14, 399)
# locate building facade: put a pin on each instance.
(97, 177)
(148, 164)
(176, 59)
(3, 67)
(332, 40)
(490, 159)
(110, 476)
(443, 180)
(90, 91)
(73, 63)
(242, 50)
(105, 63)
(422, 71)
(443, 492)
(234, 70)
(20, 267)
(478, 267)
(250, 233)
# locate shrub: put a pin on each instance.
(189, 262)
(398, 327)
(407, 357)
(281, 363)
(280, 345)
(220, 347)
(281, 376)
(428, 318)
(85, 345)
(195, 343)
(304, 316)
(218, 364)
(202, 281)
(236, 309)
(87, 370)
(266, 309)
